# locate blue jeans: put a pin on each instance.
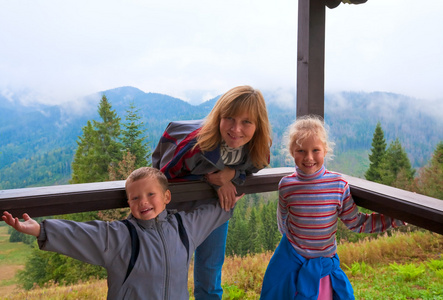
(208, 263)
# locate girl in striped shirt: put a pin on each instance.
(305, 264)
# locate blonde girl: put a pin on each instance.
(305, 264)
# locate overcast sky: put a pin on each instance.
(57, 51)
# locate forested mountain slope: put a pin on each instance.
(37, 141)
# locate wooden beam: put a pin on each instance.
(74, 198)
(311, 57)
(64, 199)
(423, 211)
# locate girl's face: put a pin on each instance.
(237, 131)
(310, 156)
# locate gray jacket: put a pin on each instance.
(161, 269)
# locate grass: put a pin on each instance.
(12, 259)
(410, 281)
(403, 266)
(91, 290)
(11, 253)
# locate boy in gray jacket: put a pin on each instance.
(161, 268)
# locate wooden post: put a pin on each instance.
(311, 57)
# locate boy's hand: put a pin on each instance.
(29, 226)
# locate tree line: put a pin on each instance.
(50, 168)
(29, 132)
(110, 149)
(390, 165)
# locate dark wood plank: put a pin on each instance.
(74, 198)
(423, 211)
(64, 199)
(420, 210)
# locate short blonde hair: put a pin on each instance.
(144, 172)
(234, 102)
(305, 127)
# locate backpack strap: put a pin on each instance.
(135, 246)
(182, 232)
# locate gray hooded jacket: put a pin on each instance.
(161, 269)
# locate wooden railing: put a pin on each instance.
(423, 211)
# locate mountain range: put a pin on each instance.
(37, 141)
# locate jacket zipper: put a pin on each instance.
(162, 237)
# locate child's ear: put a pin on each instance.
(167, 196)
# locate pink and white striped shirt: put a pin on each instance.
(309, 208)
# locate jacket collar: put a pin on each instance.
(150, 223)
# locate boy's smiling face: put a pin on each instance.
(146, 198)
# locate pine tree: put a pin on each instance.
(378, 151)
(430, 178)
(269, 234)
(253, 238)
(395, 168)
(98, 150)
(84, 156)
(99, 147)
(109, 149)
(236, 243)
(134, 136)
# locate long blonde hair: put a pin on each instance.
(234, 102)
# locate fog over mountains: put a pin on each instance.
(35, 136)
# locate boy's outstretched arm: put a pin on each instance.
(29, 226)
